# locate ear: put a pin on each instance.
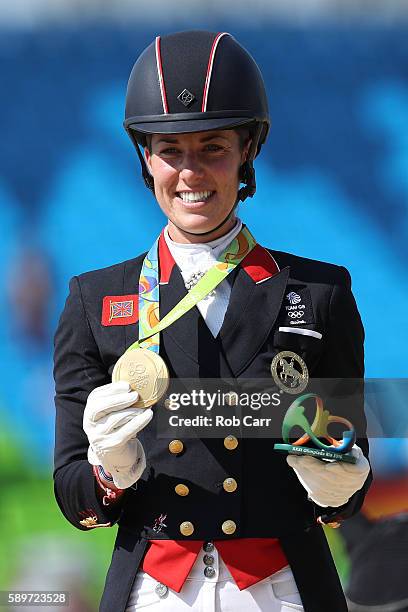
(245, 151)
(148, 157)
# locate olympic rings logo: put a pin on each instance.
(297, 314)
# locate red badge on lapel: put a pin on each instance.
(119, 310)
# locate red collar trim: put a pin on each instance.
(166, 261)
(258, 264)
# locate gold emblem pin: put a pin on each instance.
(289, 372)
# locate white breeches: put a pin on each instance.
(277, 593)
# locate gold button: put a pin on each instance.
(230, 485)
(182, 490)
(230, 442)
(176, 447)
(229, 527)
(186, 528)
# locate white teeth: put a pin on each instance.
(194, 196)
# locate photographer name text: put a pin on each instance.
(219, 421)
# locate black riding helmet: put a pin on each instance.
(192, 82)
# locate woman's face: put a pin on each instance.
(196, 180)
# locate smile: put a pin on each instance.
(194, 196)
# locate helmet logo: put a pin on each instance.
(186, 97)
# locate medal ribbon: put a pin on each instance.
(150, 325)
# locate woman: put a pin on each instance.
(221, 523)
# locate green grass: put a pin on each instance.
(37, 541)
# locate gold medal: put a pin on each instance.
(289, 372)
(146, 372)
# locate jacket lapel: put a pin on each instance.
(130, 285)
(184, 331)
(251, 314)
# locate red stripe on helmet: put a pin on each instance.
(161, 78)
(209, 69)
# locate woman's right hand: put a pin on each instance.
(112, 423)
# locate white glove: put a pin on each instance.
(330, 483)
(111, 425)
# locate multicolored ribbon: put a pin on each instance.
(150, 325)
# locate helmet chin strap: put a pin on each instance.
(211, 230)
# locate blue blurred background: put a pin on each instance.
(332, 185)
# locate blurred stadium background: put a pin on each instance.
(332, 185)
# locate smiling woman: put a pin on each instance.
(220, 524)
(196, 181)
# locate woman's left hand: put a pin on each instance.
(331, 483)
